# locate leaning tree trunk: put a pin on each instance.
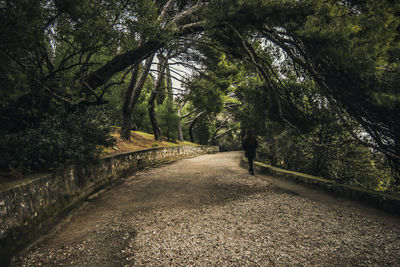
(131, 97)
(192, 125)
(126, 113)
(215, 136)
(152, 99)
(191, 130)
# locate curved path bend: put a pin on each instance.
(207, 211)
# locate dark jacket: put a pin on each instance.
(249, 148)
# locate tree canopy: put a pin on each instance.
(314, 74)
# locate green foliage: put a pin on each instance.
(355, 51)
(140, 118)
(256, 104)
(322, 147)
(162, 92)
(230, 142)
(48, 52)
(147, 13)
(323, 67)
(327, 152)
(57, 141)
(168, 119)
(328, 68)
(206, 95)
(201, 131)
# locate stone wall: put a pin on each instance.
(379, 200)
(31, 207)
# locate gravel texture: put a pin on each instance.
(207, 211)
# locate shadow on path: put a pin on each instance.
(209, 211)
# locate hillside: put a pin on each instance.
(139, 140)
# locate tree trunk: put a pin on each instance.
(192, 125)
(132, 57)
(126, 125)
(191, 130)
(123, 61)
(126, 113)
(180, 132)
(152, 99)
(215, 137)
(153, 117)
(131, 97)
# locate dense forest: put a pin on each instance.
(317, 80)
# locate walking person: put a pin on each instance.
(250, 145)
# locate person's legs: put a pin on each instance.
(251, 170)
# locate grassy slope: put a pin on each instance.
(139, 140)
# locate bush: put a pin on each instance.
(57, 142)
(327, 153)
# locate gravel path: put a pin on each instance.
(207, 211)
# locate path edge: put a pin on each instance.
(379, 200)
(30, 208)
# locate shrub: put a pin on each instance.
(57, 141)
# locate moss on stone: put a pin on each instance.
(26, 180)
(378, 200)
(299, 174)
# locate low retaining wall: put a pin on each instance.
(31, 207)
(378, 200)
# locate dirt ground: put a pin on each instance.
(208, 211)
